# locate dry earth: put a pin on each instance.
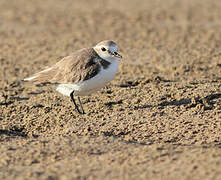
(159, 119)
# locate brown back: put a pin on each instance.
(79, 66)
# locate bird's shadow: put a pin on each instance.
(207, 102)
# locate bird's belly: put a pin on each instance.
(89, 86)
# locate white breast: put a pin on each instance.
(91, 85)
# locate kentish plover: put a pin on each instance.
(82, 72)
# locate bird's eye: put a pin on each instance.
(103, 49)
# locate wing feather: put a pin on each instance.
(77, 67)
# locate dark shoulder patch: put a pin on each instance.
(91, 72)
(104, 63)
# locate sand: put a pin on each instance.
(160, 118)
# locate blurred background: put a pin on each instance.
(159, 34)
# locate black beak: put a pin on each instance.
(115, 54)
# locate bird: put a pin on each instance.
(81, 73)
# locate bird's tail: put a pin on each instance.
(42, 77)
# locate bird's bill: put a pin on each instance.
(117, 55)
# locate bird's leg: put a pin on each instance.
(82, 110)
(75, 104)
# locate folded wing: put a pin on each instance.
(77, 67)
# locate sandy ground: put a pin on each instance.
(160, 118)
